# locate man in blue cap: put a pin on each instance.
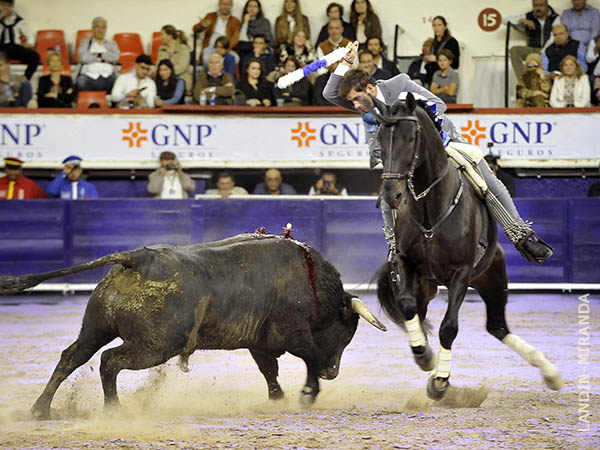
(68, 186)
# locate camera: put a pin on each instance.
(326, 186)
(171, 166)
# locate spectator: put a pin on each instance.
(376, 46)
(592, 57)
(319, 85)
(327, 185)
(572, 88)
(333, 42)
(300, 49)
(226, 186)
(445, 80)
(365, 22)
(16, 41)
(16, 186)
(441, 40)
(215, 83)
(298, 94)
(219, 23)
(229, 61)
(367, 63)
(169, 181)
(563, 45)
(533, 88)
(336, 11)
(262, 52)
(290, 20)
(15, 90)
(68, 186)
(135, 89)
(55, 90)
(170, 89)
(507, 179)
(582, 21)
(174, 47)
(257, 90)
(254, 22)
(596, 88)
(98, 57)
(538, 25)
(274, 185)
(417, 70)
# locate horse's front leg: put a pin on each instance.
(457, 288)
(405, 287)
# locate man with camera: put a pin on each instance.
(169, 181)
(327, 185)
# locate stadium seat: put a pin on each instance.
(156, 43)
(130, 45)
(86, 98)
(81, 34)
(52, 40)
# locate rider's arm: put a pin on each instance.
(331, 91)
(403, 83)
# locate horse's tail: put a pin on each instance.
(390, 305)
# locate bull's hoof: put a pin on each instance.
(307, 396)
(425, 358)
(40, 412)
(437, 387)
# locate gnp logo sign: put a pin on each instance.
(165, 134)
(19, 134)
(304, 134)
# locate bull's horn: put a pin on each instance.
(363, 311)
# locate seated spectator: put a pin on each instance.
(592, 57)
(170, 181)
(336, 11)
(442, 39)
(16, 186)
(226, 186)
(562, 46)
(98, 57)
(507, 180)
(274, 185)
(582, 21)
(135, 89)
(257, 90)
(260, 51)
(445, 80)
(298, 94)
(417, 70)
(367, 63)
(229, 61)
(215, 83)
(254, 22)
(572, 87)
(170, 89)
(376, 46)
(15, 90)
(537, 25)
(55, 90)
(334, 41)
(218, 23)
(318, 87)
(290, 20)
(596, 89)
(68, 184)
(16, 41)
(533, 88)
(365, 22)
(174, 47)
(300, 49)
(327, 185)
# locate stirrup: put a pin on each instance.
(527, 254)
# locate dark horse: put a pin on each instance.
(444, 236)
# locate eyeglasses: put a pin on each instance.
(531, 66)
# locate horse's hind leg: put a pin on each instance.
(492, 285)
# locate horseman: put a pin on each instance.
(350, 89)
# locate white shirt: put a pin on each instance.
(20, 29)
(74, 190)
(127, 82)
(171, 186)
(220, 29)
(97, 69)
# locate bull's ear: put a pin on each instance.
(346, 309)
(411, 103)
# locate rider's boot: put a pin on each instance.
(519, 232)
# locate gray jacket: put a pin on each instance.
(391, 89)
(111, 56)
(156, 180)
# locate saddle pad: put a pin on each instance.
(466, 157)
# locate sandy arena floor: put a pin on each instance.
(377, 402)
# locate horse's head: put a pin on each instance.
(399, 137)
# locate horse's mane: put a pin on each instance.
(432, 115)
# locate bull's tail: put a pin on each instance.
(390, 305)
(14, 284)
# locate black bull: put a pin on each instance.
(266, 293)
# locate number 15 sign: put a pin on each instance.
(489, 19)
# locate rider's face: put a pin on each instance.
(360, 98)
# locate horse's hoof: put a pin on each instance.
(425, 360)
(554, 382)
(40, 413)
(307, 396)
(276, 395)
(437, 387)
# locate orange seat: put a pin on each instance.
(86, 98)
(52, 40)
(156, 43)
(81, 34)
(130, 46)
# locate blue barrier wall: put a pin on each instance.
(42, 235)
